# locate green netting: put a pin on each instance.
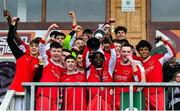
(138, 100)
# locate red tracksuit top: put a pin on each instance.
(153, 67)
(74, 96)
(51, 73)
(25, 71)
(26, 64)
(102, 76)
(92, 75)
(124, 73)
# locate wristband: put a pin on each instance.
(74, 26)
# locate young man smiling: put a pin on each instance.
(26, 64)
(74, 98)
(153, 70)
(100, 98)
(126, 70)
(52, 72)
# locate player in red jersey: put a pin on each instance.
(26, 64)
(126, 70)
(74, 98)
(52, 71)
(153, 69)
(99, 98)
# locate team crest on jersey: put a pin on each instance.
(126, 72)
(79, 78)
(104, 73)
(115, 70)
(151, 63)
(105, 78)
(149, 69)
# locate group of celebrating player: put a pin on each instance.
(91, 57)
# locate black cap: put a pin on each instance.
(93, 43)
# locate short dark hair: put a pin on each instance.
(106, 40)
(115, 41)
(60, 34)
(34, 41)
(66, 50)
(38, 38)
(127, 45)
(120, 28)
(123, 41)
(131, 46)
(57, 33)
(87, 31)
(79, 53)
(54, 33)
(55, 45)
(70, 57)
(143, 43)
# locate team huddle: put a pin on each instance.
(91, 57)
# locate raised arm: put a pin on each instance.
(136, 69)
(71, 37)
(42, 45)
(72, 15)
(11, 43)
(112, 61)
(14, 21)
(7, 15)
(12, 34)
(52, 27)
(109, 22)
(170, 52)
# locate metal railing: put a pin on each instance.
(13, 101)
(31, 86)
